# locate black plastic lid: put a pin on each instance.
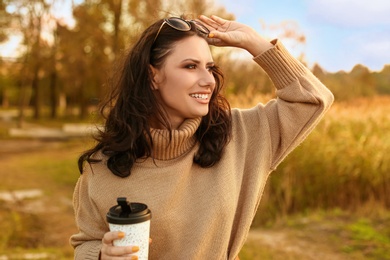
(128, 213)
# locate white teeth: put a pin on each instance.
(200, 96)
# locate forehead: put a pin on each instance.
(193, 47)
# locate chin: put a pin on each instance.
(203, 114)
(198, 113)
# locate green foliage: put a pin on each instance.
(61, 171)
(362, 230)
(366, 237)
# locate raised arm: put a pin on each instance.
(301, 100)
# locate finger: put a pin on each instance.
(214, 41)
(214, 21)
(218, 20)
(111, 236)
(119, 250)
(208, 22)
(205, 19)
(216, 38)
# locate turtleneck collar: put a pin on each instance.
(183, 139)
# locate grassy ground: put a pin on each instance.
(333, 235)
(41, 226)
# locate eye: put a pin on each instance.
(190, 66)
(211, 68)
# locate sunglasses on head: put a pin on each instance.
(180, 24)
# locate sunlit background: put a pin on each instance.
(329, 199)
(338, 33)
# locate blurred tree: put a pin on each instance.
(61, 62)
(35, 23)
(140, 14)
(339, 83)
(383, 80)
(83, 54)
(53, 75)
(5, 20)
(318, 71)
(359, 82)
(30, 15)
(250, 80)
(363, 81)
(72, 62)
(115, 11)
(8, 24)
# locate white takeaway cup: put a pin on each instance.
(133, 219)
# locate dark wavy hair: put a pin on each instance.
(131, 104)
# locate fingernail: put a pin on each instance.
(121, 235)
(134, 257)
(135, 249)
(211, 35)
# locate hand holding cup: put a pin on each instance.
(129, 225)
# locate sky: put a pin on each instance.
(339, 33)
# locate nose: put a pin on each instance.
(207, 79)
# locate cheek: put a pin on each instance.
(171, 92)
(176, 84)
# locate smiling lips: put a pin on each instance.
(200, 96)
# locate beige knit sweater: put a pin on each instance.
(206, 213)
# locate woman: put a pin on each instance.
(172, 142)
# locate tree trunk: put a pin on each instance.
(53, 95)
(22, 104)
(36, 92)
(83, 102)
(5, 99)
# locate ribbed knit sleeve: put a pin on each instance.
(301, 100)
(265, 134)
(91, 223)
(88, 251)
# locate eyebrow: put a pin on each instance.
(197, 61)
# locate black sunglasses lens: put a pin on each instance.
(178, 24)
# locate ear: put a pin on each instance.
(155, 76)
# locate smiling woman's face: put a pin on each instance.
(185, 82)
